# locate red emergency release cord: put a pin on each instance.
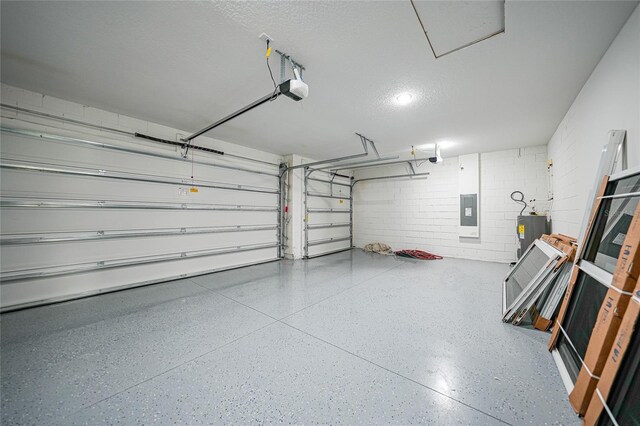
(418, 254)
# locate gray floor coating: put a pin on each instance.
(347, 338)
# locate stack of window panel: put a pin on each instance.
(600, 288)
(530, 287)
(548, 305)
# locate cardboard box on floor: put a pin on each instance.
(628, 327)
(564, 243)
(614, 306)
(574, 273)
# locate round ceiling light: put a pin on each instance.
(404, 98)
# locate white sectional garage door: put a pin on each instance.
(328, 213)
(82, 216)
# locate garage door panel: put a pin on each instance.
(328, 248)
(56, 153)
(22, 256)
(93, 282)
(46, 185)
(39, 220)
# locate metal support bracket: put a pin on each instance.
(294, 65)
(421, 175)
(366, 142)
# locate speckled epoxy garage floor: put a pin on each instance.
(346, 338)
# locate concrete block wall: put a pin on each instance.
(610, 99)
(424, 213)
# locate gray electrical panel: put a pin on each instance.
(469, 209)
(530, 228)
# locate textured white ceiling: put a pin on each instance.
(187, 64)
(453, 24)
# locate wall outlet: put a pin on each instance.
(265, 37)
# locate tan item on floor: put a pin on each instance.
(380, 248)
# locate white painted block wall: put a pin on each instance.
(424, 214)
(610, 99)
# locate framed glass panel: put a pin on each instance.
(530, 266)
(521, 308)
(549, 302)
(612, 223)
(579, 320)
(625, 185)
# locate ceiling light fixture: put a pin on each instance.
(442, 143)
(404, 98)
